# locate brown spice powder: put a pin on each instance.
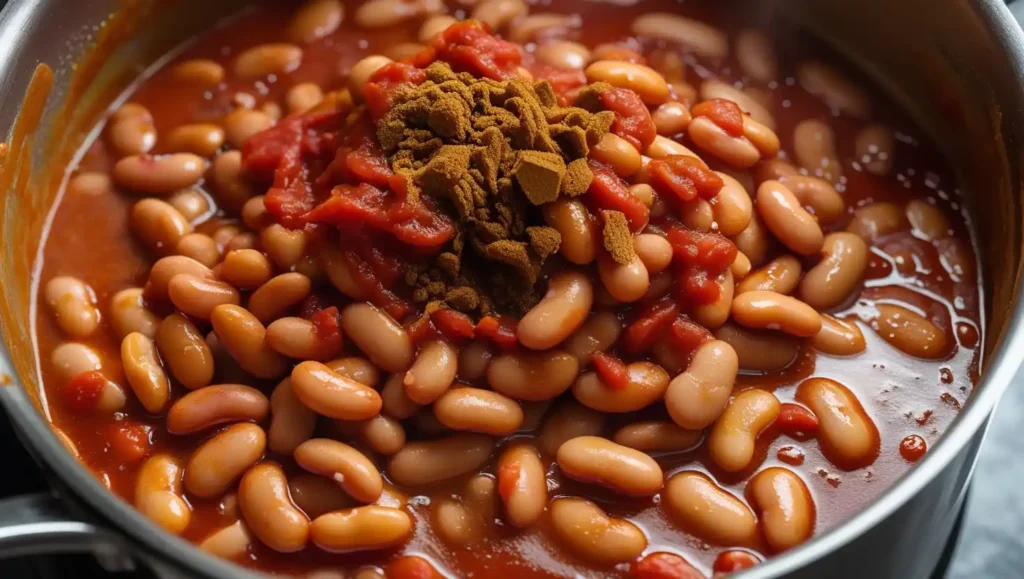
(493, 151)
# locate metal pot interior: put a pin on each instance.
(952, 64)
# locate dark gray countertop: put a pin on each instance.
(992, 536)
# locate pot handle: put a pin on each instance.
(40, 524)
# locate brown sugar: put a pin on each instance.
(491, 151)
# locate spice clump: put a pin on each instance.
(492, 151)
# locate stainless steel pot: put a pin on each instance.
(958, 65)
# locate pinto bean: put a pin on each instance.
(379, 337)
(874, 147)
(158, 493)
(646, 82)
(498, 13)
(244, 337)
(647, 384)
(532, 376)
(213, 405)
(709, 511)
(328, 393)
(185, 351)
(274, 298)
(814, 148)
(697, 397)
(160, 174)
(600, 461)
(847, 435)
(74, 306)
(784, 506)
(198, 297)
(563, 54)
(569, 420)
(130, 130)
(351, 469)
(266, 59)
(657, 436)
(834, 278)
(732, 438)
(576, 227)
(297, 338)
(268, 510)
(230, 186)
(291, 421)
(761, 351)
(230, 542)
(756, 55)
(316, 19)
(702, 39)
(927, 221)
(221, 460)
(562, 310)
(817, 195)
(834, 89)
(910, 332)
(593, 535)
(769, 310)
(362, 528)
(787, 219)
(523, 483)
(144, 372)
(838, 337)
(423, 463)
(477, 410)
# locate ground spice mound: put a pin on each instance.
(493, 151)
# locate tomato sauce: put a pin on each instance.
(910, 400)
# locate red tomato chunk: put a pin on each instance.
(724, 113)
(664, 566)
(684, 178)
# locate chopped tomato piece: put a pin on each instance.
(684, 178)
(641, 335)
(501, 330)
(411, 567)
(364, 274)
(702, 258)
(609, 191)
(632, 119)
(797, 420)
(312, 304)
(411, 222)
(734, 560)
(468, 46)
(664, 566)
(724, 113)
(420, 330)
(456, 326)
(563, 82)
(687, 335)
(611, 371)
(130, 441)
(327, 328)
(508, 478)
(383, 83)
(83, 391)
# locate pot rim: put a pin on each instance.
(35, 432)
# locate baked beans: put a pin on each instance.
(523, 483)
(731, 440)
(316, 19)
(708, 511)
(576, 227)
(698, 396)
(561, 311)
(361, 528)
(814, 148)
(784, 506)
(532, 376)
(291, 422)
(646, 384)
(213, 405)
(847, 435)
(331, 394)
(268, 510)
(478, 410)
(772, 311)
(158, 493)
(378, 336)
(220, 461)
(787, 219)
(351, 469)
(838, 337)
(760, 351)
(657, 436)
(423, 463)
(597, 460)
(835, 90)
(592, 534)
(570, 420)
(909, 332)
(74, 306)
